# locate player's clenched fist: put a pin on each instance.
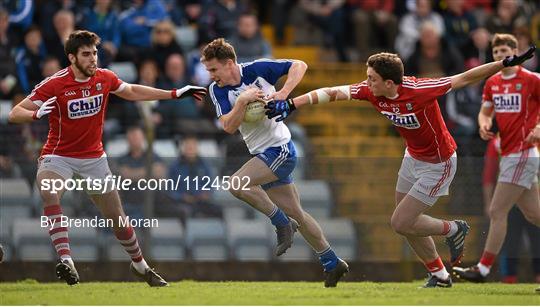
(534, 136)
(196, 92)
(44, 109)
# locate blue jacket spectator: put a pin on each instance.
(191, 198)
(137, 22)
(21, 13)
(29, 59)
(219, 19)
(103, 21)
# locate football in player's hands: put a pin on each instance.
(255, 111)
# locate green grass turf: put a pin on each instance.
(265, 293)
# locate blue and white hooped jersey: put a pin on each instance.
(264, 74)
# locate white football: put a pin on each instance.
(254, 111)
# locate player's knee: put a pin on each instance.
(49, 198)
(297, 214)
(497, 214)
(533, 219)
(237, 192)
(399, 225)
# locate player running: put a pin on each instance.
(513, 97)
(429, 162)
(271, 189)
(75, 99)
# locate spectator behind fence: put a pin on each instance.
(133, 166)
(29, 58)
(164, 43)
(409, 27)
(64, 25)
(136, 25)
(21, 13)
(524, 41)
(517, 225)
(506, 18)
(248, 40)
(190, 199)
(8, 69)
(433, 56)
(102, 19)
(280, 18)
(175, 77)
(219, 19)
(375, 25)
(478, 50)
(459, 23)
(329, 16)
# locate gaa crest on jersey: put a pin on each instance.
(98, 86)
(518, 86)
(84, 107)
(407, 121)
(409, 106)
(507, 103)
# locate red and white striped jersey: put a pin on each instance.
(516, 100)
(416, 115)
(76, 122)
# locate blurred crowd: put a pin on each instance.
(161, 39)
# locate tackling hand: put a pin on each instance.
(44, 109)
(281, 108)
(197, 92)
(519, 59)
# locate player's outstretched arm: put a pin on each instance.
(27, 111)
(483, 71)
(143, 93)
(283, 108)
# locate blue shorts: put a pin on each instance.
(281, 160)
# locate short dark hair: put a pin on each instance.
(388, 65)
(500, 39)
(218, 49)
(80, 38)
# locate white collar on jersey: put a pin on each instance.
(508, 77)
(82, 80)
(394, 97)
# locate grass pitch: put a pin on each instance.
(264, 293)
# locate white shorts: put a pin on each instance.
(67, 168)
(520, 168)
(426, 181)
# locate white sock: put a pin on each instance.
(453, 229)
(140, 266)
(484, 270)
(441, 274)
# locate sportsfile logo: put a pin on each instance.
(84, 107)
(507, 103)
(407, 121)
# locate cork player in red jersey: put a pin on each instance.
(75, 100)
(513, 98)
(429, 162)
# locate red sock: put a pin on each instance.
(510, 279)
(487, 259)
(128, 239)
(435, 265)
(59, 235)
(446, 228)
